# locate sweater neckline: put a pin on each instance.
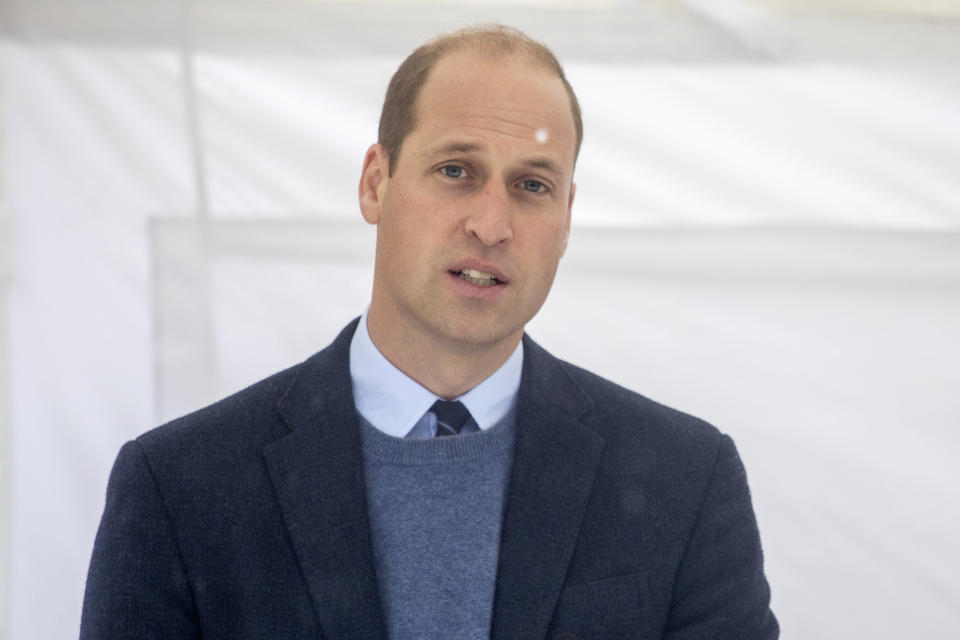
(437, 451)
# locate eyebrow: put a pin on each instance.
(470, 147)
(544, 163)
(454, 147)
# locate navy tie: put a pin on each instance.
(451, 417)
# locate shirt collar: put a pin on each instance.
(393, 402)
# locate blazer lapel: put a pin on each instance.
(554, 462)
(317, 473)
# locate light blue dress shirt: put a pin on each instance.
(397, 405)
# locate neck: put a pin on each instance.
(447, 367)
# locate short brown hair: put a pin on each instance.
(398, 117)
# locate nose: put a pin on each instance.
(490, 216)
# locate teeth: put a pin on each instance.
(478, 278)
(473, 273)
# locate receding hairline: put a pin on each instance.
(487, 41)
(487, 55)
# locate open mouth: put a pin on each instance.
(478, 278)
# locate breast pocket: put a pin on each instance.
(602, 600)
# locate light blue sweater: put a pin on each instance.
(435, 508)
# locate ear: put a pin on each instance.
(373, 182)
(566, 224)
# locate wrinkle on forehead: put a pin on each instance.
(524, 125)
(500, 127)
(538, 111)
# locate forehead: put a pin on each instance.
(505, 101)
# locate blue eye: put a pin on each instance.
(534, 186)
(453, 171)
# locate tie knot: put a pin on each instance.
(451, 416)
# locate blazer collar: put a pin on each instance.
(317, 473)
(555, 459)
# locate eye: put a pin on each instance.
(533, 186)
(453, 171)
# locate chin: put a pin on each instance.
(482, 336)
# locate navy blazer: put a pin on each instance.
(248, 519)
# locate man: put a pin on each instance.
(325, 501)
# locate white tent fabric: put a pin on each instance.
(774, 247)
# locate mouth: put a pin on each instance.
(479, 278)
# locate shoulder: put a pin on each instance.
(616, 405)
(244, 422)
(635, 427)
(236, 426)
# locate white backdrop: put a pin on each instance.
(766, 233)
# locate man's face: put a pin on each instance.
(474, 220)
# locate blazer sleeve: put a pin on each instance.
(136, 586)
(721, 591)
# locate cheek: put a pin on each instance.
(412, 215)
(397, 222)
(548, 240)
(410, 246)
